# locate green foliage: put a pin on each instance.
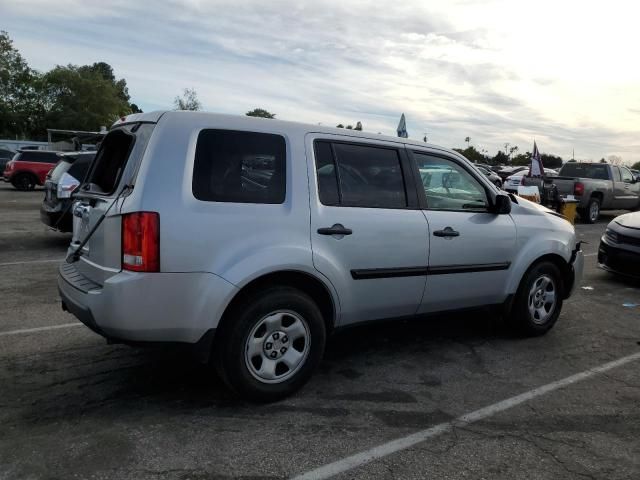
(260, 112)
(551, 161)
(72, 97)
(83, 98)
(340, 125)
(472, 154)
(501, 158)
(21, 106)
(636, 166)
(188, 101)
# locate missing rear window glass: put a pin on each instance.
(110, 161)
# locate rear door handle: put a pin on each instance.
(447, 232)
(336, 229)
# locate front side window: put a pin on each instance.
(448, 186)
(626, 175)
(241, 167)
(359, 176)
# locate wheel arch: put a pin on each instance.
(318, 290)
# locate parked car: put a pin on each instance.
(636, 174)
(598, 186)
(5, 156)
(514, 181)
(254, 239)
(491, 175)
(59, 186)
(508, 171)
(29, 168)
(619, 250)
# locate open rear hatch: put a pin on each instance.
(96, 245)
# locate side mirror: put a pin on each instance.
(502, 204)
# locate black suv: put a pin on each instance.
(60, 183)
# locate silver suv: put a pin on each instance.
(253, 239)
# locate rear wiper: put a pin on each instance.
(77, 253)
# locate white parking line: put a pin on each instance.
(52, 260)
(362, 458)
(590, 254)
(39, 329)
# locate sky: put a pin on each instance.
(562, 72)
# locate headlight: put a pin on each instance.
(67, 185)
(611, 235)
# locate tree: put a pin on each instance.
(615, 159)
(471, 154)
(135, 108)
(188, 101)
(340, 125)
(501, 158)
(551, 161)
(636, 166)
(521, 159)
(260, 112)
(358, 126)
(21, 104)
(82, 98)
(349, 127)
(602, 160)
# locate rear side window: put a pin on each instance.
(39, 157)
(241, 167)
(366, 176)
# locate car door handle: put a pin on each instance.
(336, 229)
(447, 232)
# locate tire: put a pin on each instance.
(530, 314)
(284, 323)
(592, 212)
(24, 182)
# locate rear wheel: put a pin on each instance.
(24, 181)
(270, 346)
(538, 301)
(592, 212)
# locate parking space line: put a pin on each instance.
(590, 254)
(362, 458)
(53, 260)
(39, 329)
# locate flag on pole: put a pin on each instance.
(402, 128)
(536, 169)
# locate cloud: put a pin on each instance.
(456, 68)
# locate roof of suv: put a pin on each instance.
(303, 127)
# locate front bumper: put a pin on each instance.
(619, 260)
(146, 307)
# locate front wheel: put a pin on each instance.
(271, 345)
(538, 301)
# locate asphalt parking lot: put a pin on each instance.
(72, 406)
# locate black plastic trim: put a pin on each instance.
(373, 273)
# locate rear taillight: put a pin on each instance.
(141, 242)
(578, 189)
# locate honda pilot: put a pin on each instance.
(254, 239)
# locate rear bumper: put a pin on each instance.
(146, 307)
(619, 260)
